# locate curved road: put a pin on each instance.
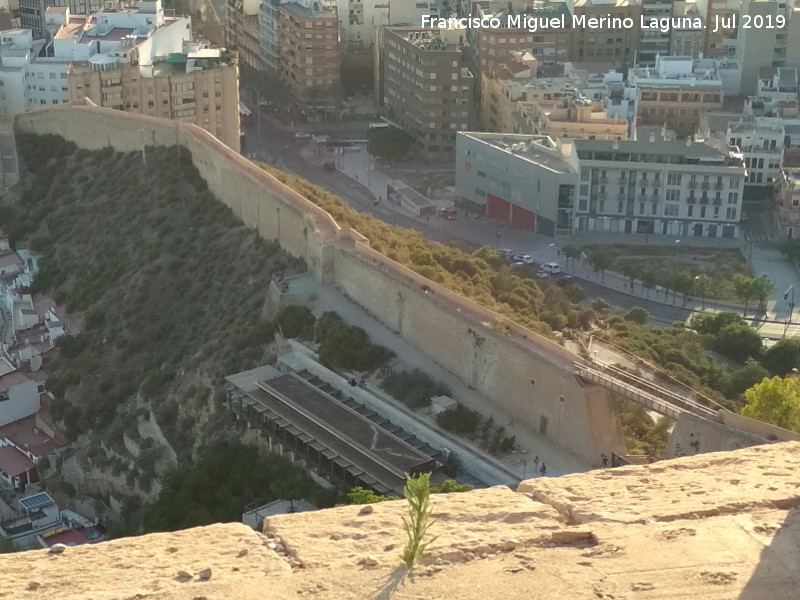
(278, 147)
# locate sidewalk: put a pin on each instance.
(478, 231)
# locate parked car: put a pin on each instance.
(527, 259)
(448, 213)
(302, 135)
(516, 258)
(542, 274)
(507, 253)
(517, 263)
(552, 268)
(329, 166)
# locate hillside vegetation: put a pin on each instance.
(170, 285)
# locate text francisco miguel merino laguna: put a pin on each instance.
(664, 24)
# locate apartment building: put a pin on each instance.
(677, 92)
(550, 46)
(778, 85)
(789, 203)
(505, 86)
(137, 60)
(654, 42)
(198, 86)
(311, 56)
(573, 118)
(269, 35)
(676, 188)
(16, 52)
(758, 47)
(609, 42)
(720, 34)
(31, 16)
(242, 31)
(761, 141)
(519, 179)
(427, 88)
(684, 38)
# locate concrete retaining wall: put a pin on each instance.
(529, 376)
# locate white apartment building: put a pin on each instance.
(761, 141)
(16, 52)
(35, 73)
(778, 84)
(676, 188)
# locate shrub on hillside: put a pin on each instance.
(413, 388)
(344, 347)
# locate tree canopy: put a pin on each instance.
(389, 143)
(775, 401)
(221, 482)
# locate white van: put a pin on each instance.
(551, 268)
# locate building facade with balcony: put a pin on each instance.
(427, 87)
(761, 142)
(609, 42)
(519, 179)
(675, 188)
(678, 91)
(242, 31)
(311, 59)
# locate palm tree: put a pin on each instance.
(744, 289)
(571, 251)
(601, 259)
(702, 286)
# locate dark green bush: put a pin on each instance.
(413, 388)
(345, 347)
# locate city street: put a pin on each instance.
(360, 181)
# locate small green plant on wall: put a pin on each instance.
(417, 492)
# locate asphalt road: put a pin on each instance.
(278, 147)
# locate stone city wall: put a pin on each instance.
(529, 376)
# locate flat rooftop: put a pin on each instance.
(413, 195)
(336, 430)
(538, 149)
(298, 10)
(653, 149)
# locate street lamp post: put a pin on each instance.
(789, 295)
(497, 241)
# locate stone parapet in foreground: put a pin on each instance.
(724, 525)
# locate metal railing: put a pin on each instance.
(644, 392)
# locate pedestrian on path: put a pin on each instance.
(605, 460)
(535, 463)
(543, 470)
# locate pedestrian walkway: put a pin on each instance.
(559, 460)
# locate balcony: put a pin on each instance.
(622, 181)
(656, 183)
(704, 201)
(602, 180)
(691, 200)
(692, 185)
(602, 195)
(718, 186)
(705, 185)
(717, 201)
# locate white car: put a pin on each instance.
(542, 274)
(302, 135)
(551, 268)
(527, 259)
(507, 252)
